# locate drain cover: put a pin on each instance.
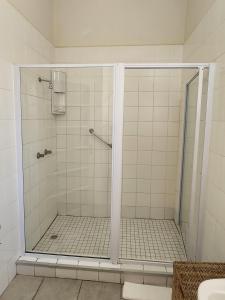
(54, 236)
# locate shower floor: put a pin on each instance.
(141, 239)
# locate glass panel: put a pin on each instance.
(188, 155)
(150, 157)
(186, 186)
(67, 192)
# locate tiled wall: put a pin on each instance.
(23, 44)
(150, 143)
(38, 134)
(206, 44)
(84, 163)
(140, 54)
(20, 43)
(151, 133)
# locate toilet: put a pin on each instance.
(134, 291)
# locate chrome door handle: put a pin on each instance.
(92, 132)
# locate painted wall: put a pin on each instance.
(21, 43)
(206, 44)
(79, 23)
(196, 10)
(110, 23)
(127, 54)
(39, 13)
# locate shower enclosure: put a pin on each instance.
(113, 159)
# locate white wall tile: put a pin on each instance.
(151, 141)
(135, 278)
(87, 275)
(66, 273)
(109, 277)
(206, 44)
(21, 44)
(43, 271)
(25, 270)
(155, 280)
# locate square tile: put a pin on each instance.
(25, 269)
(87, 275)
(141, 239)
(66, 273)
(109, 277)
(44, 271)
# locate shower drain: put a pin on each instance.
(54, 236)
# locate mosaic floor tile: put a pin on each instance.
(141, 239)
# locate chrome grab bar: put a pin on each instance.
(92, 132)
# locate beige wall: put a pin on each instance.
(79, 23)
(125, 54)
(206, 44)
(38, 12)
(127, 22)
(106, 23)
(196, 10)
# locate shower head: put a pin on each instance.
(91, 130)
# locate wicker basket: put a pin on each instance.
(187, 277)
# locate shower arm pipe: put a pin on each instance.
(46, 80)
(92, 132)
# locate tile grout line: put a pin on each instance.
(141, 238)
(79, 290)
(33, 298)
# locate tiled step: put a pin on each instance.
(95, 270)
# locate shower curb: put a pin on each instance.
(96, 270)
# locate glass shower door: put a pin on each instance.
(152, 98)
(67, 192)
(193, 147)
(73, 193)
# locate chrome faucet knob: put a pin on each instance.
(40, 155)
(46, 152)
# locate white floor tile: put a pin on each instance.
(141, 239)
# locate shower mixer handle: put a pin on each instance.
(40, 155)
(46, 152)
